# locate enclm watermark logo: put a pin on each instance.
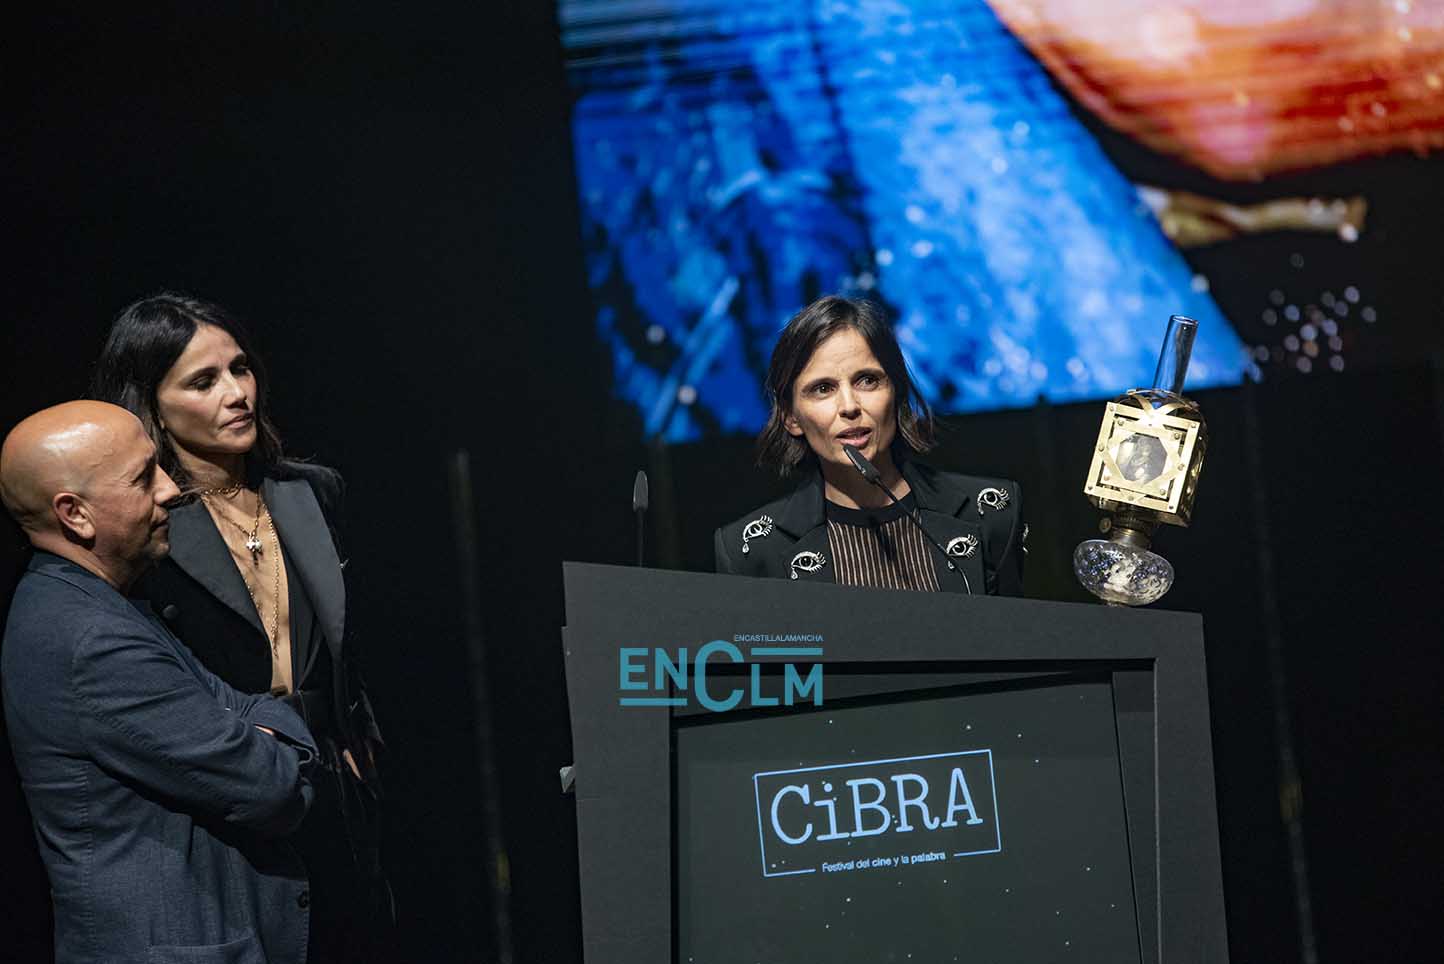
(656, 676)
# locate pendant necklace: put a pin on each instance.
(254, 545)
(253, 534)
(275, 634)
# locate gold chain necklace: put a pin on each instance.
(275, 636)
(225, 491)
(253, 534)
(253, 543)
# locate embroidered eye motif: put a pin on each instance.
(807, 561)
(992, 498)
(963, 547)
(756, 529)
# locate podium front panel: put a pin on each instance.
(984, 779)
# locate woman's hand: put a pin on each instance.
(370, 748)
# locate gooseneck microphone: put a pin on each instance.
(866, 468)
(869, 472)
(639, 506)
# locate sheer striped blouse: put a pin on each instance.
(880, 548)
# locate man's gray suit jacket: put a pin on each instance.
(157, 802)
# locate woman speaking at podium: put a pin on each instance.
(838, 380)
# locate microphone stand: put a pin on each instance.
(869, 472)
(640, 498)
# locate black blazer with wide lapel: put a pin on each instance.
(788, 538)
(200, 593)
(309, 548)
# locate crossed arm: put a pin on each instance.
(158, 718)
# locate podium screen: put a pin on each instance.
(967, 823)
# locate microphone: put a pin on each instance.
(640, 498)
(869, 472)
(866, 468)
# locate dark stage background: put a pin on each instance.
(387, 195)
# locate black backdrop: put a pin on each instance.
(386, 195)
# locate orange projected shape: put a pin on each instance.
(1248, 88)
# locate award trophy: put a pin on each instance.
(1145, 471)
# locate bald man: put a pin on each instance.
(158, 792)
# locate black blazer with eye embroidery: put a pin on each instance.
(199, 593)
(787, 538)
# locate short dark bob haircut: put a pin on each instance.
(145, 340)
(777, 448)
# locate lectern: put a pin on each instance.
(777, 771)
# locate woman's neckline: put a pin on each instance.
(869, 517)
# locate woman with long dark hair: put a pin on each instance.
(838, 379)
(254, 583)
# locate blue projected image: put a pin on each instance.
(736, 161)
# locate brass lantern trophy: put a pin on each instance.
(1145, 471)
